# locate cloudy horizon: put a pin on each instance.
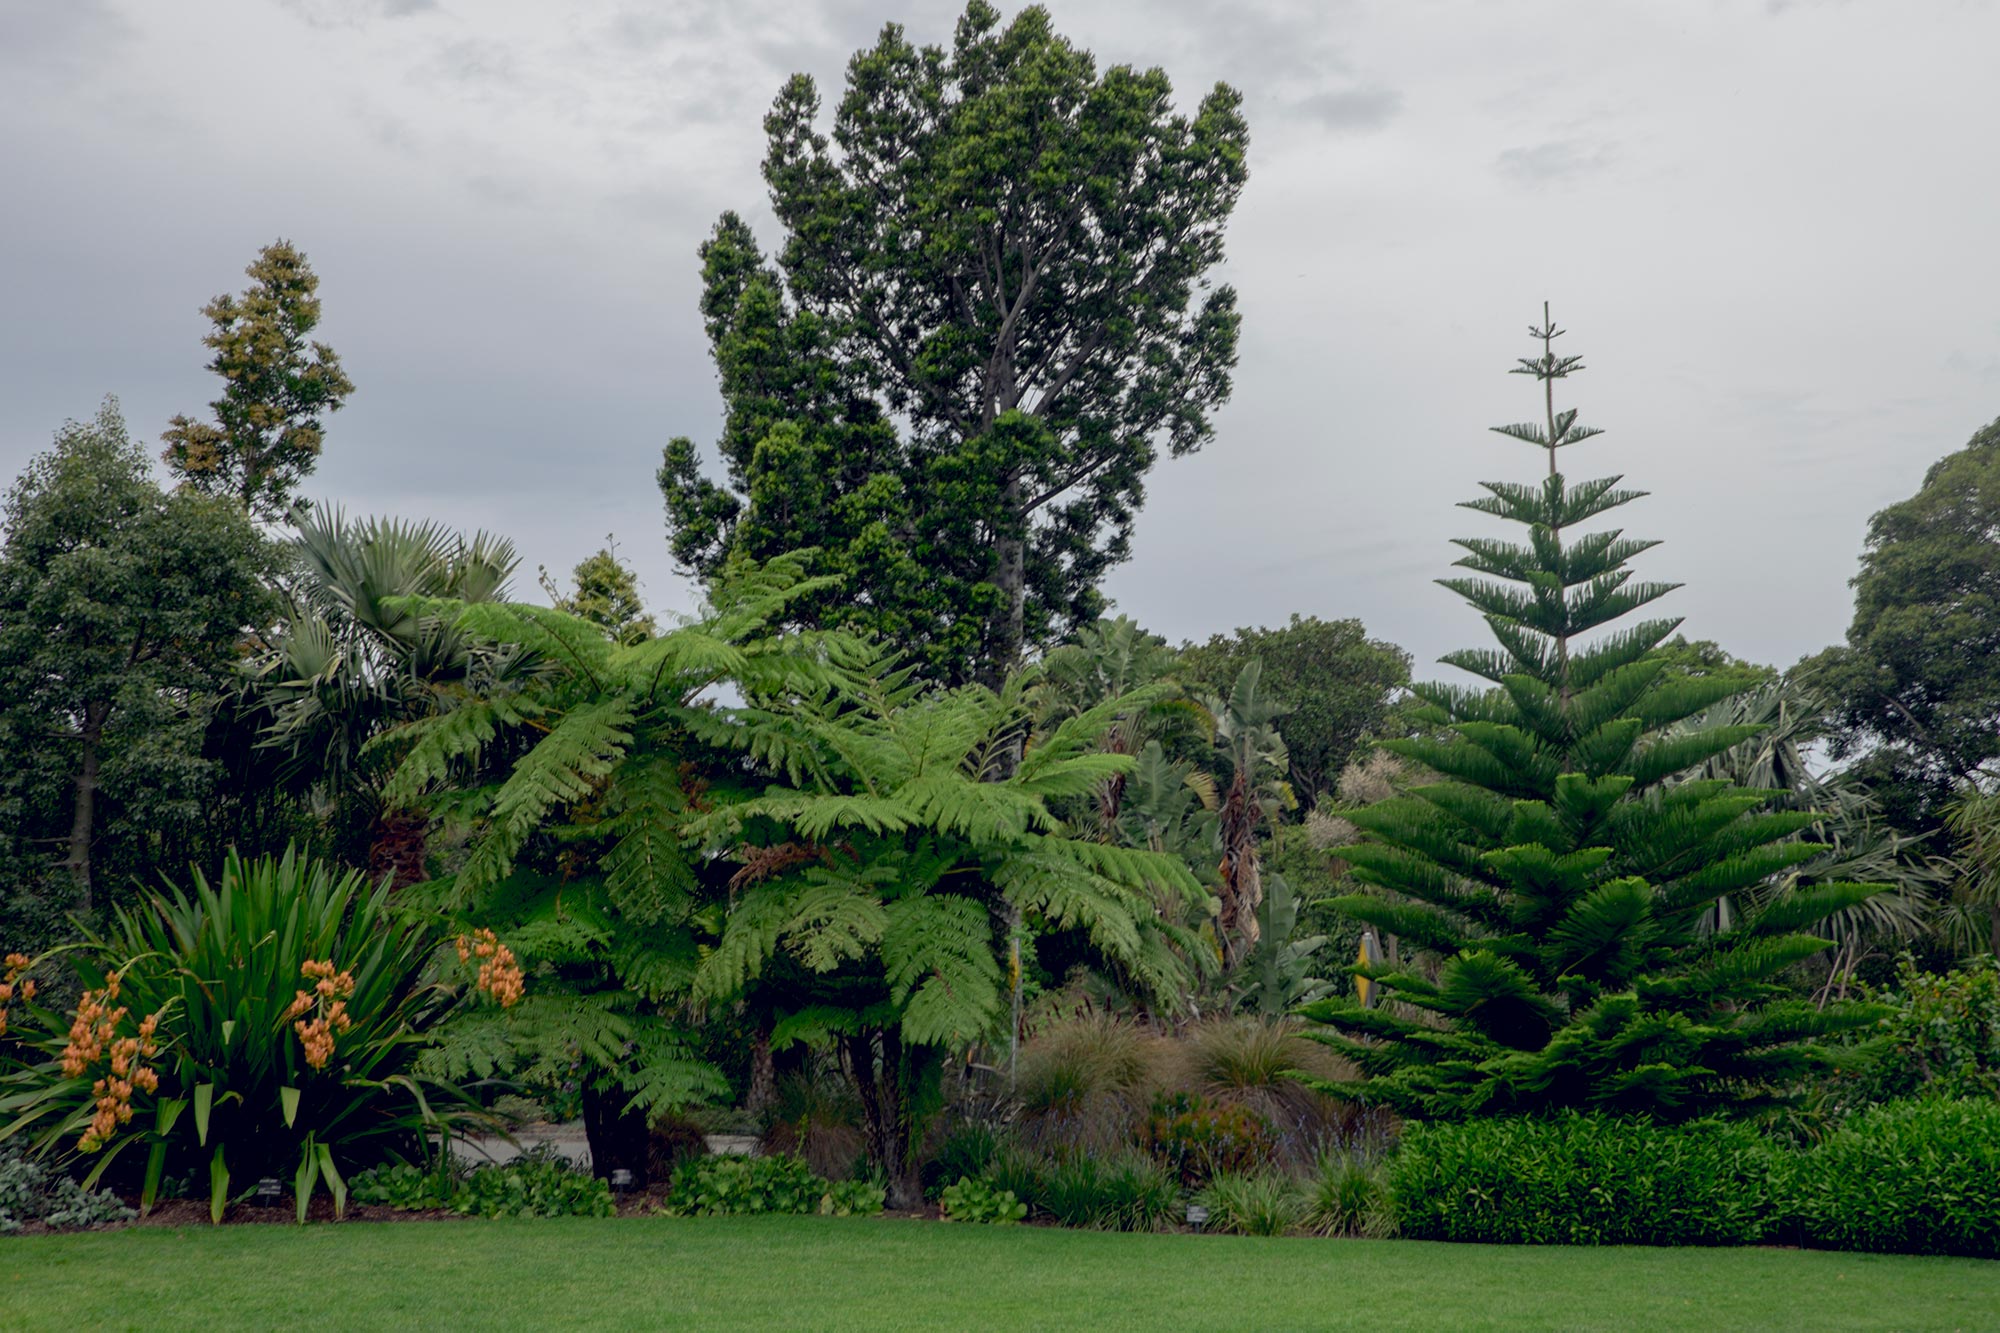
(1769, 228)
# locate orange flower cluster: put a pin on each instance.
(92, 1029)
(92, 1034)
(499, 972)
(327, 1002)
(17, 963)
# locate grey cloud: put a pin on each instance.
(1557, 160)
(1353, 108)
(353, 13)
(1986, 368)
(63, 38)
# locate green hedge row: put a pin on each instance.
(1914, 1177)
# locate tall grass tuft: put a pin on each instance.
(1348, 1196)
(1123, 1192)
(1264, 1203)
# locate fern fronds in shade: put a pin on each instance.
(1586, 898)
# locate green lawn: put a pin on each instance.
(814, 1273)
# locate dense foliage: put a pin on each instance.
(32, 1191)
(722, 1186)
(1582, 1179)
(1941, 1035)
(1336, 683)
(1597, 914)
(973, 1199)
(901, 860)
(1911, 1177)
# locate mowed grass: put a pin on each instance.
(830, 1273)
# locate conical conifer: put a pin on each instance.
(1599, 919)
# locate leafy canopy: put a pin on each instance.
(1917, 685)
(989, 312)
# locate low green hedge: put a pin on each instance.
(1582, 1180)
(1909, 1178)
(1917, 1177)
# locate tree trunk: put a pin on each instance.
(1236, 925)
(875, 1060)
(399, 847)
(617, 1138)
(1010, 576)
(763, 1075)
(82, 828)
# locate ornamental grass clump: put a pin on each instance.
(1119, 1192)
(1085, 1082)
(1584, 922)
(1261, 1203)
(266, 1024)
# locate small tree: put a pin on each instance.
(605, 592)
(1337, 683)
(1565, 872)
(277, 389)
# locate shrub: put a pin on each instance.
(976, 1200)
(1116, 1193)
(1020, 1173)
(1263, 1203)
(266, 1025)
(33, 1192)
(1914, 1177)
(1942, 1037)
(1258, 1065)
(670, 1140)
(1582, 1179)
(404, 1187)
(723, 1186)
(1348, 1196)
(1197, 1139)
(539, 1183)
(853, 1198)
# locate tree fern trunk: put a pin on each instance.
(875, 1059)
(617, 1137)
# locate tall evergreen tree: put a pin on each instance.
(990, 313)
(1566, 869)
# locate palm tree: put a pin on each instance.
(358, 653)
(1974, 909)
(1859, 847)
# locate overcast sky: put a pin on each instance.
(1774, 230)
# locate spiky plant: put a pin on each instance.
(1564, 868)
